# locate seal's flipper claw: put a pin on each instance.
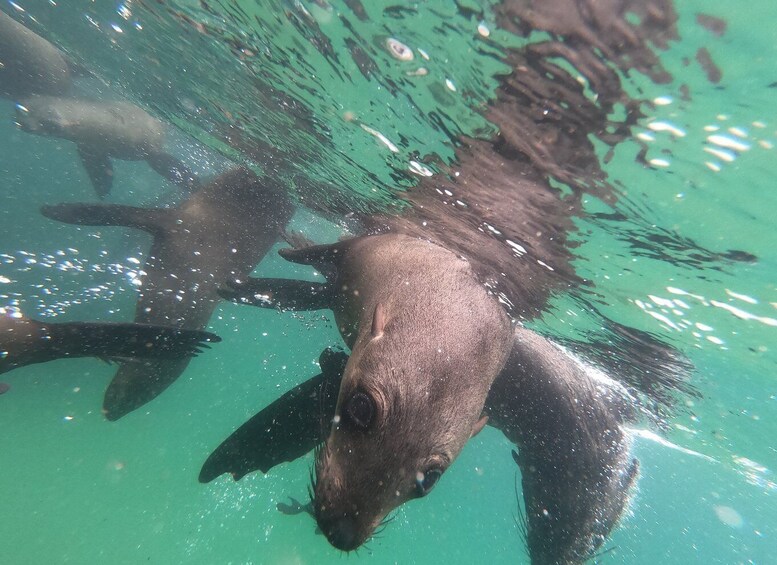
(295, 507)
(285, 294)
(285, 430)
(99, 168)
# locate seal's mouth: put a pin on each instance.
(345, 523)
(348, 532)
(341, 532)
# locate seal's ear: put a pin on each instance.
(479, 425)
(378, 321)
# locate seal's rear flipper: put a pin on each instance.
(285, 430)
(99, 168)
(576, 469)
(173, 170)
(27, 341)
(286, 294)
(152, 220)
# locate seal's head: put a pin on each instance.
(408, 402)
(36, 115)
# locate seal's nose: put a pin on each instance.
(341, 533)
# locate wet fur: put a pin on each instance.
(574, 456)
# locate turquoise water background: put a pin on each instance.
(77, 489)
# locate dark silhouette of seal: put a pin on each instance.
(219, 233)
(30, 64)
(104, 131)
(24, 341)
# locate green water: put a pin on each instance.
(77, 489)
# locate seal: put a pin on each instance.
(426, 341)
(25, 341)
(571, 503)
(30, 64)
(404, 388)
(103, 131)
(220, 232)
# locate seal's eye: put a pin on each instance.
(424, 482)
(360, 410)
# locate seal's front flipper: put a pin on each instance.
(576, 469)
(285, 294)
(285, 430)
(138, 383)
(173, 170)
(99, 168)
(152, 220)
(325, 258)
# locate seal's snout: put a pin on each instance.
(341, 532)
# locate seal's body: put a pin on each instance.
(103, 131)
(220, 232)
(30, 64)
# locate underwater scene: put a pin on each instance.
(306, 281)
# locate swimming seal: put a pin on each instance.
(30, 64)
(571, 503)
(24, 341)
(104, 131)
(221, 232)
(426, 342)
(404, 397)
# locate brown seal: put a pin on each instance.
(433, 358)
(103, 131)
(219, 233)
(426, 342)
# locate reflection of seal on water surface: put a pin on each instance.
(102, 131)
(4, 387)
(30, 64)
(222, 231)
